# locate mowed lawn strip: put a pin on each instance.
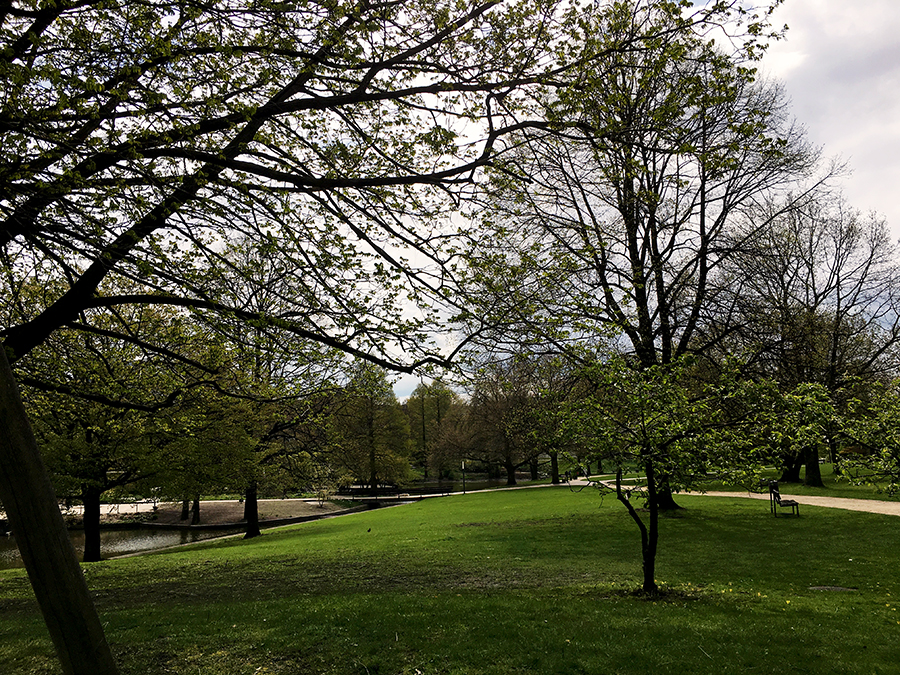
(528, 581)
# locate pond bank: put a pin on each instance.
(127, 534)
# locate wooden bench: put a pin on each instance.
(776, 501)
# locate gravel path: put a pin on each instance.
(868, 505)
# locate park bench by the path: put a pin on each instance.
(776, 501)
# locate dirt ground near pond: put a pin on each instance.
(221, 512)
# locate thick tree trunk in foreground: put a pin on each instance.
(251, 511)
(90, 519)
(185, 509)
(44, 543)
(554, 468)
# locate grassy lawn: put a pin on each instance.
(527, 581)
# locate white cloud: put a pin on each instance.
(841, 68)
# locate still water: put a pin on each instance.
(117, 542)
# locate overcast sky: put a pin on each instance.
(840, 64)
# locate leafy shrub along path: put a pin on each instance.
(530, 581)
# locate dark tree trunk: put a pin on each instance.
(813, 470)
(554, 468)
(791, 473)
(195, 511)
(651, 544)
(833, 455)
(661, 496)
(90, 496)
(185, 509)
(251, 511)
(47, 552)
(510, 471)
(649, 535)
(534, 467)
(373, 463)
(424, 438)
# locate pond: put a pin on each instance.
(117, 542)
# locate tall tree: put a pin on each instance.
(429, 408)
(814, 299)
(98, 402)
(369, 433)
(500, 400)
(617, 233)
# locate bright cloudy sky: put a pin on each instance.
(840, 64)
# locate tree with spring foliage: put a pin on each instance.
(101, 406)
(621, 223)
(690, 425)
(814, 299)
(428, 408)
(369, 432)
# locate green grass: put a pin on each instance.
(527, 581)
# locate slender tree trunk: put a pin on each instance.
(813, 470)
(649, 536)
(534, 468)
(185, 509)
(373, 464)
(195, 511)
(47, 552)
(833, 455)
(554, 467)
(424, 439)
(652, 543)
(251, 511)
(90, 496)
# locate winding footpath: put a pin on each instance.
(868, 505)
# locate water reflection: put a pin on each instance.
(117, 542)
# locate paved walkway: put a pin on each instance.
(868, 505)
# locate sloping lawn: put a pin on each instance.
(526, 581)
